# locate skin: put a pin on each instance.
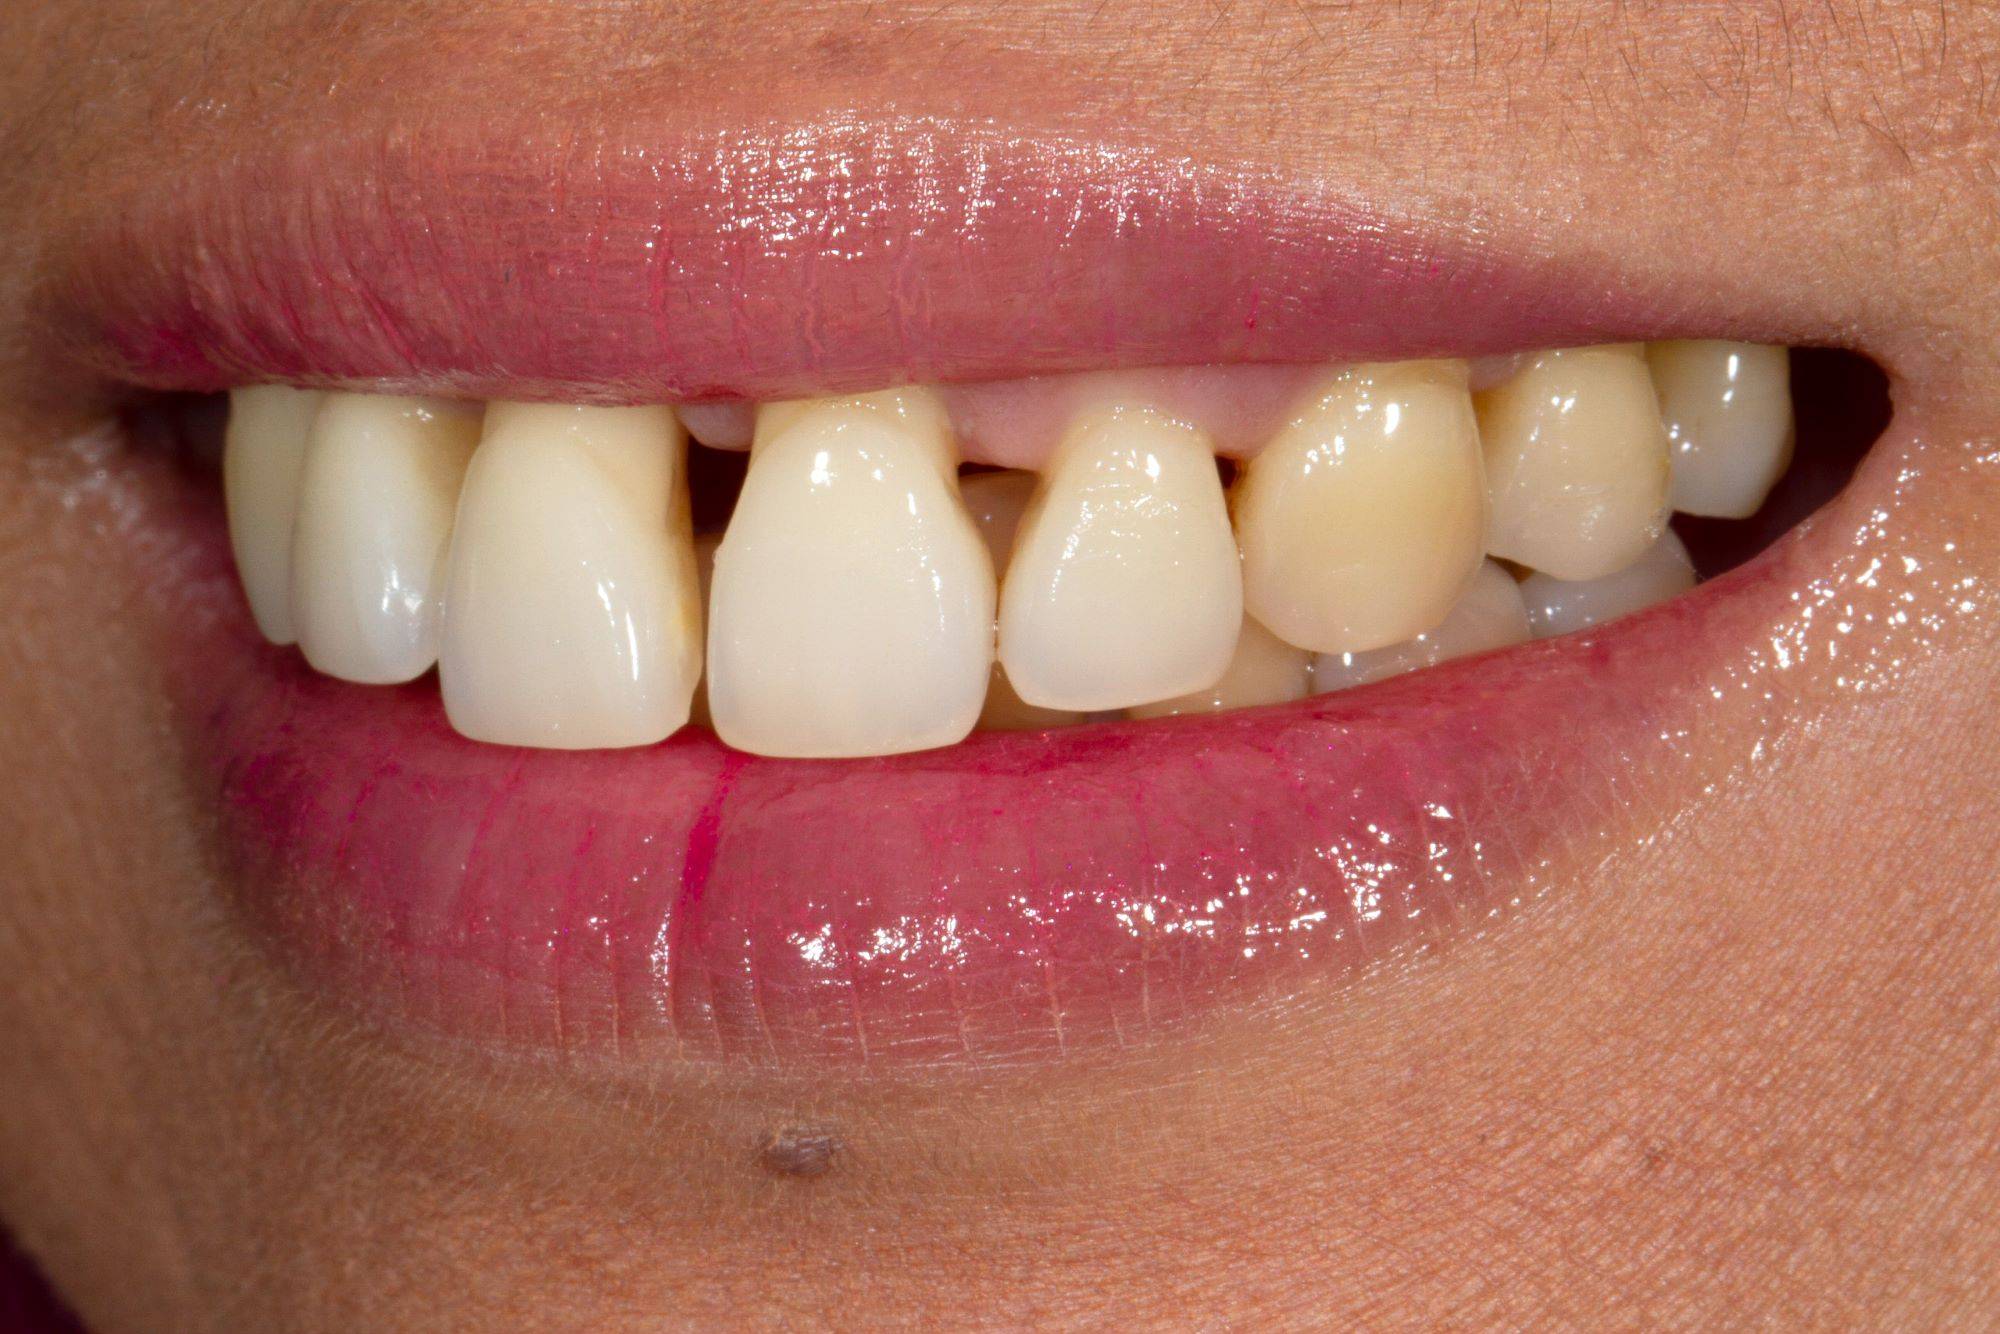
(1743, 1070)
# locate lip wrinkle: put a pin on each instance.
(779, 261)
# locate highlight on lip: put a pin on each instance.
(863, 598)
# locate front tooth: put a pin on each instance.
(1489, 616)
(376, 498)
(1556, 607)
(572, 617)
(1265, 670)
(1125, 585)
(996, 501)
(1362, 520)
(1576, 462)
(852, 604)
(263, 461)
(1728, 412)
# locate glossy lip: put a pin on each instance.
(1014, 897)
(850, 252)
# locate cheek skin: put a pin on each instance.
(1750, 1077)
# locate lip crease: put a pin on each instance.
(1016, 896)
(846, 253)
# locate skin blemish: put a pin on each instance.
(800, 1152)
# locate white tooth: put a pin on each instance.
(1489, 616)
(1125, 586)
(375, 512)
(852, 608)
(996, 501)
(704, 567)
(572, 618)
(263, 459)
(1265, 670)
(1363, 519)
(1728, 413)
(1576, 461)
(1556, 607)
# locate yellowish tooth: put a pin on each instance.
(1124, 586)
(376, 500)
(1728, 413)
(1576, 462)
(572, 616)
(852, 605)
(263, 462)
(1488, 616)
(1556, 607)
(996, 501)
(1265, 670)
(1361, 521)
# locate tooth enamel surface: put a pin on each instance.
(1489, 616)
(1576, 462)
(572, 615)
(852, 606)
(263, 461)
(1362, 520)
(1728, 414)
(1556, 607)
(1265, 670)
(1124, 587)
(376, 499)
(996, 501)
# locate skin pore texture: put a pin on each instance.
(1740, 1064)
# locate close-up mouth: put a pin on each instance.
(1001, 668)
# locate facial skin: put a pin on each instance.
(1741, 1067)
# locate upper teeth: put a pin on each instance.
(853, 602)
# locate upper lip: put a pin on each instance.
(1014, 894)
(847, 252)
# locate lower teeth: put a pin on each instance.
(854, 601)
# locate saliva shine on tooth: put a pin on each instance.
(853, 603)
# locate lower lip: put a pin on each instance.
(1014, 897)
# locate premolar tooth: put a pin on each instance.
(1728, 413)
(1265, 670)
(1361, 521)
(572, 617)
(1556, 607)
(1124, 586)
(379, 485)
(996, 501)
(1488, 616)
(263, 462)
(1576, 462)
(852, 605)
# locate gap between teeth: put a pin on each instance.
(866, 599)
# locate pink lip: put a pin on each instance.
(846, 253)
(1013, 896)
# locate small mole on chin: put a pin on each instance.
(801, 1152)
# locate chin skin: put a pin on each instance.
(1741, 1069)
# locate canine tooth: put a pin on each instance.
(1124, 587)
(263, 460)
(1556, 607)
(1576, 462)
(1363, 519)
(996, 501)
(1728, 413)
(1265, 670)
(852, 606)
(571, 615)
(1489, 616)
(376, 498)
